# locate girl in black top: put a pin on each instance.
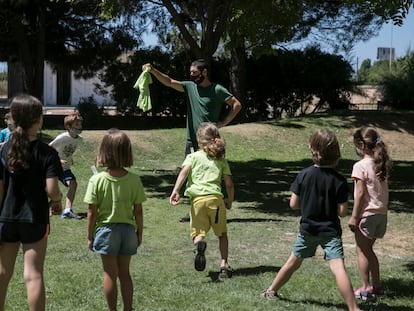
(29, 172)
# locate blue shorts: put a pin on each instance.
(67, 176)
(116, 240)
(305, 246)
(26, 233)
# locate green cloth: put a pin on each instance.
(142, 84)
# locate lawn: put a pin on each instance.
(264, 157)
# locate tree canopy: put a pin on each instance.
(72, 34)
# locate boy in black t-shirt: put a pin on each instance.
(320, 192)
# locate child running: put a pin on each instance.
(29, 177)
(321, 193)
(205, 170)
(369, 214)
(115, 218)
(66, 144)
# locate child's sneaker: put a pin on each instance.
(364, 295)
(199, 258)
(226, 272)
(70, 214)
(269, 294)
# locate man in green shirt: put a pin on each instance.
(205, 101)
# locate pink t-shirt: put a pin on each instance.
(376, 199)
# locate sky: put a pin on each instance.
(400, 38)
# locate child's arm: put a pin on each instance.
(53, 191)
(92, 214)
(175, 195)
(294, 201)
(139, 220)
(356, 211)
(230, 191)
(342, 209)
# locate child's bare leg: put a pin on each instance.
(285, 273)
(224, 249)
(34, 258)
(367, 261)
(8, 254)
(125, 280)
(70, 196)
(344, 284)
(110, 267)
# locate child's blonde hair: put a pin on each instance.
(71, 119)
(115, 150)
(210, 142)
(324, 148)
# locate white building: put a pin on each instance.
(62, 88)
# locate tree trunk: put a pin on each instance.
(28, 69)
(238, 76)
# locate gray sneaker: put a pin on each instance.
(70, 214)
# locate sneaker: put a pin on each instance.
(226, 272)
(269, 294)
(185, 218)
(70, 214)
(199, 258)
(364, 295)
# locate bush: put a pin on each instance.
(90, 112)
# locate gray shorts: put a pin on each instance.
(116, 239)
(305, 246)
(374, 226)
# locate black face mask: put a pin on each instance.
(197, 79)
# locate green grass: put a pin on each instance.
(264, 157)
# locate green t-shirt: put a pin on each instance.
(204, 104)
(115, 197)
(206, 174)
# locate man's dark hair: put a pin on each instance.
(201, 64)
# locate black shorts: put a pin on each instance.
(66, 177)
(22, 232)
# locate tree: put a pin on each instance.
(70, 34)
(398, 86)
(363, 72)
(260, 27)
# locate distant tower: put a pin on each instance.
(385, 53)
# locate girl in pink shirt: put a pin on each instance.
(369, 215)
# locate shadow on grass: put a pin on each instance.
(264, 185)
(252, 220)
(378, 305)
(400, 121)
(214, 275)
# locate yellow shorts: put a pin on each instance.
(208, 212)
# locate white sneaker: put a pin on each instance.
(70, 214)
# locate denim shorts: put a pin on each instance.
(116, 239)
(25, 233)
(305, 246)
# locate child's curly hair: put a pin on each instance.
(210, 141)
